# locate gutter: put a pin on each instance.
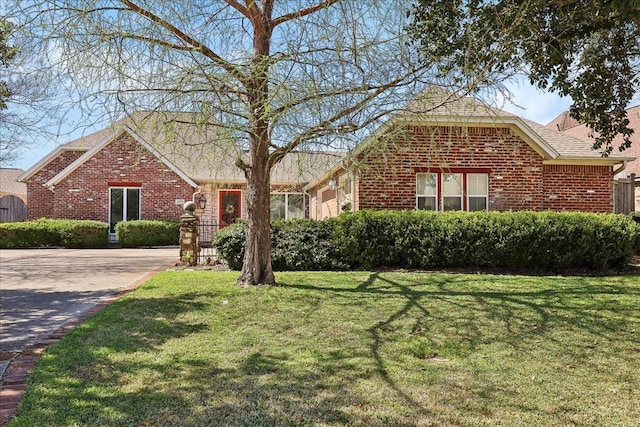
(622, 167)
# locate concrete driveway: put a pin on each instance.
(42, 289)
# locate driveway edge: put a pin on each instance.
(18, 366)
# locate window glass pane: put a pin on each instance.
(427, 203)
(427, 184)
(452, 203)
(116, 211)
(277, 206)
(477, 184)
(452, 184)
(133, 204)
(295, 208)
(477, 204)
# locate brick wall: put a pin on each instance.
(40, 197)
(518, 180)
(84, 194)
(578, 188)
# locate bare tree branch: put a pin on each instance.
(303, 12)
(230, 68)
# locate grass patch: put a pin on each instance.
(190, 348)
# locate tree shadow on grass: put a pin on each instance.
(265, 384)
(518, 318)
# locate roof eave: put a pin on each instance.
(80, 160)
(588, 161)
(24, 176)
(103, 143)
(327, 175)
(535, 141)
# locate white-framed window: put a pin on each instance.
(124, 205)
(427, 191)
(477, 192)
(287, 205)
(452, 191)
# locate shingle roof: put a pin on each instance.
(437, 102)
(438, 106)
(582, 132)
(201, 149)
(9, 183)
(563, 122)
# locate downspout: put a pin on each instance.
(621, 168)
(307, 196)
(353, 192)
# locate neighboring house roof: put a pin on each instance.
(573, 128)
(197, 150)
(9, 182)
(440, 107)
(562, 122)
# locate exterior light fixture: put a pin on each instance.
(202, 202)
(332, 184)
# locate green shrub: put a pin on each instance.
(133, 234)
(83, 234)
(304, 245)
(635, 216)
(54, 232)
(296, 245)
(229, 243)
(546, 241)
(512, 240)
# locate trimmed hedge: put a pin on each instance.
(296, 245)
(54, 232)
(133, 234)
(547, 241)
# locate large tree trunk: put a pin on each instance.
(256, 266)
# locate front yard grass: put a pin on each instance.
(190, 348)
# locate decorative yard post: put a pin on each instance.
(189, 235)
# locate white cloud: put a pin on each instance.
(534, 104)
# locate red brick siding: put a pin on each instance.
(518, 180)
(578, 188)
(40, 197)
(84, 194)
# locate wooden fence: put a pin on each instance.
(12, 209)
(624, 194)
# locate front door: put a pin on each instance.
(124, 206)
(229, 206)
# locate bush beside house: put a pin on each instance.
(51, 232)
(546, 241)
(132, 234)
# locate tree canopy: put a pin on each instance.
(277, 75)
(29, 105)
(7, 53)
(586, 49)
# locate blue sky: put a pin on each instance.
(528, 102)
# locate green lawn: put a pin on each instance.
(190, 348)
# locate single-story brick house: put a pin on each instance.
(446, 153)
(438, 153)
(146, 166)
